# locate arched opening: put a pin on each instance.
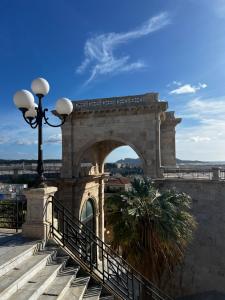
(123, 161)
(122, 165)
(90, 167)
(87, 216)
(92, 158)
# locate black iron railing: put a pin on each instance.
(99, 259)
(12, 213)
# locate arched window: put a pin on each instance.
(88, 215)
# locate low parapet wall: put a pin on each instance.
(204, 266)
(194, 172)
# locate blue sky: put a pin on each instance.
(89, 49)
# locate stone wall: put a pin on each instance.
(204, 266)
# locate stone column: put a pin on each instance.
(39, 213)
(158, 146)
(216, 173)
(168, 141)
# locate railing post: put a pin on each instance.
(63, 226)
(53, 225)
(103, 262)
(17, 215)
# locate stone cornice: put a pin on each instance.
(168, 119)
(129, 104)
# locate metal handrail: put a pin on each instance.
(99, 259)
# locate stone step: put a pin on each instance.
(17, 277)
(77, 289)
(15, 252)
(60, 285)
(39, 282)
(92, 293)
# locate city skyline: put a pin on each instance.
(174, 48)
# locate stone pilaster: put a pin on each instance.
(216, 173)
(39, 213)
(167, 139)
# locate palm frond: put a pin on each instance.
(152, 228)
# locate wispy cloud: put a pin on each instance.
(99, 51)
(175, 82)
(54, 139)
(218, 7)
(26, 142)
(3, 140)
(198, 139)
(205, 137)
(178, 83)
(188, 89)
(206, 109)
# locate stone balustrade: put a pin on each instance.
(28, 168)
(115, 102)
(207, 173)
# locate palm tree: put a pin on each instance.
(151, 228)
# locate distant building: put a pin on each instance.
(116, 184)
(12, 191)
(118, 165)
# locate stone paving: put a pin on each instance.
(9, 236)
(8, 232)
(12, 243)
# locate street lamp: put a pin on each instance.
(34, 114)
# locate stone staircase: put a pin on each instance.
(31, 270)
(74, 264)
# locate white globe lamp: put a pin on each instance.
(23, 100)
(64, 106)
(31, 113)
(40, 86)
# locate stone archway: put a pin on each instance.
(98, 126)
(95, 153)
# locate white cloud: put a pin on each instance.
(3, 140)
(178, 83)
(175, 82)
(202, 86)
(198, 139)
(188, 89)
(99, 51)
(54, 139)
(206, 109)
(204, 139)
(218, 7)
(25, 142)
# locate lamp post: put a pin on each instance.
(34, 114)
